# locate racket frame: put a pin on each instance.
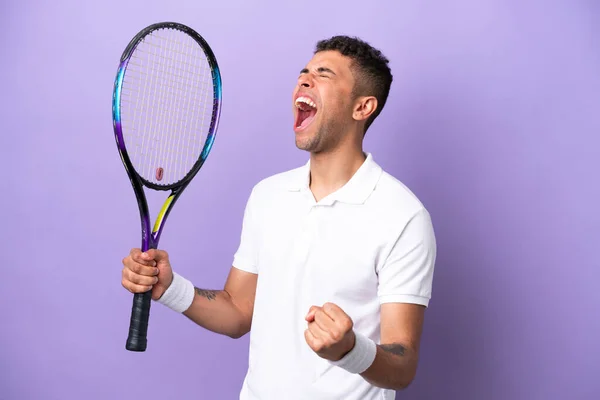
(140, 312)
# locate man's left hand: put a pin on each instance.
(329, 332)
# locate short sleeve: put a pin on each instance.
(246, 256)
(406, 276)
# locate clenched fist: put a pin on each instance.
(145, 271)
(329, 332)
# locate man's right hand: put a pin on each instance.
(145, 271)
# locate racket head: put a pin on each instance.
(166, 105)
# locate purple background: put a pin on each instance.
(493, 121)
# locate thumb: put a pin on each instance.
(311, 313)
(156, 255)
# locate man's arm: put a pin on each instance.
(405, 282)
(395, 363)
(228, 311)
(392, 364)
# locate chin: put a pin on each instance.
(308, 140)
(304, 143)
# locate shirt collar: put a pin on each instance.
(355, 191)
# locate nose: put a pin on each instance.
(305, 81)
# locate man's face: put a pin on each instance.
(322, 101)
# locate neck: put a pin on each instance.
(331, 170)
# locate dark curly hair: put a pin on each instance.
(373, 75)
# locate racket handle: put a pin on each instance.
(138, 325)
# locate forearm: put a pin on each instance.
(394, 367)
(216, 311)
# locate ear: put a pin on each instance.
(364, 107)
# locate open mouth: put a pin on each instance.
(307, 109)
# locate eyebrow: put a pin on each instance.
(320, 70)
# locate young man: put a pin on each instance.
(335, 265)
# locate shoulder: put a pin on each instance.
(396, 198)
(408, 224)
(399, 211)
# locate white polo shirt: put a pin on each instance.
(370, 242)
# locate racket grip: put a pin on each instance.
(138, 325)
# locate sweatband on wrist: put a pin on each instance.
(179, 295)
(360, 357)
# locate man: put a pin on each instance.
(335, 264)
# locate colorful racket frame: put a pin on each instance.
(137, 338)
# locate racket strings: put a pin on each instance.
(166, 105)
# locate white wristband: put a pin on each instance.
(360, 357)
(179, 295)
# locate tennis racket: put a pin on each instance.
(166, 109)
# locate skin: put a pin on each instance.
(334, 141)
(227, 311)
(334, 138)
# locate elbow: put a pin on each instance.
(241, 330)
(403, 384)
(237, 334)
(405, 381)
(243, 320)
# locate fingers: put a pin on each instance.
(312, 341)
(329, 322)
(142, 258)
(326, 328)
(137, 283)
(329, 311)
(324, 321)
(321, 339)
(334, 312)
(140, 263)
(329, 332)
(156, 255)
(133, 288)
(139, 272)
(139, 279)
(316, 337)
(320, 326)
(339, 317)
(139, 269)
(310, 316)
(319, 330)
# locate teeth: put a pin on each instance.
(305, 100)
